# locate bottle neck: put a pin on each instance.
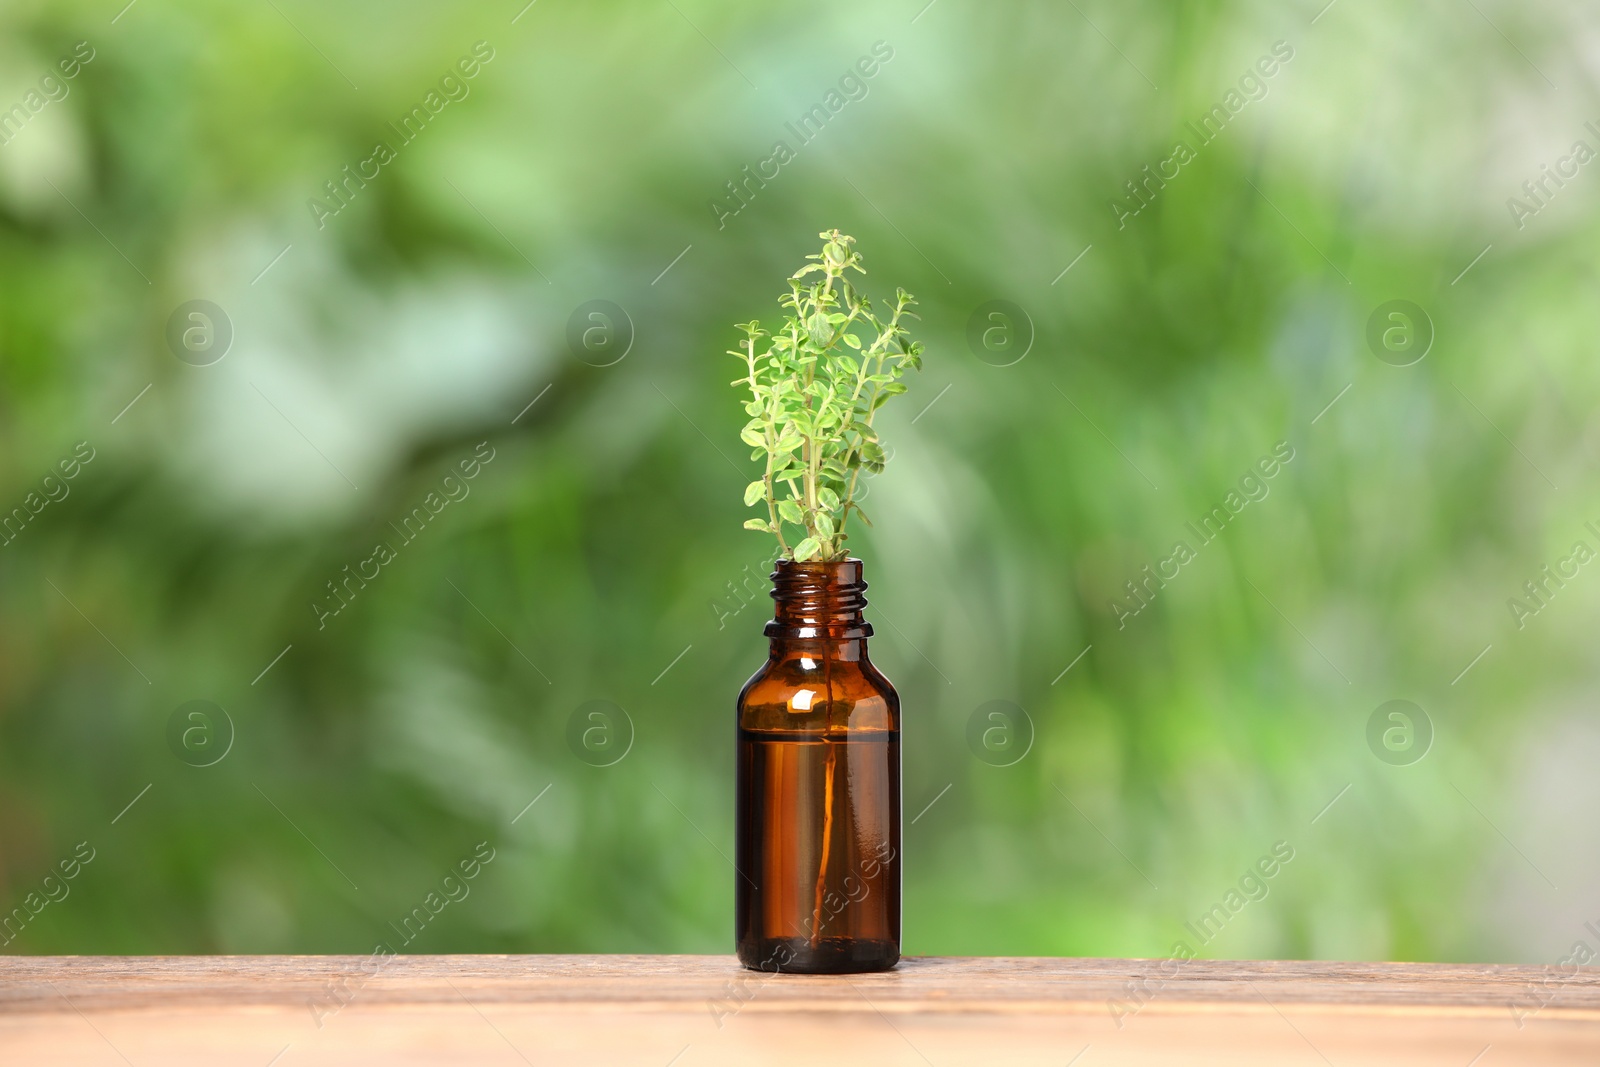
(818, 602)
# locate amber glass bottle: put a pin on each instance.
(818, 807)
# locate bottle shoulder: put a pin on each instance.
(805, 694)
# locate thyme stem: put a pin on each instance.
(815, 389)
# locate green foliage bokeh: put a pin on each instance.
(628, 153)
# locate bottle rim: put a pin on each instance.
(818, 599)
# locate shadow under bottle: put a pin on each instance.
(818, 806)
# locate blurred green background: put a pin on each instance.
(597, 556)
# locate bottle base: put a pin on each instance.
(829, 955)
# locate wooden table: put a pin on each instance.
(688, 1011)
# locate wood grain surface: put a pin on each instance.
(292, 1011)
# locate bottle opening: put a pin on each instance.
(818, 599)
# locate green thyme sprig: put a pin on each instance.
(815, 386)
